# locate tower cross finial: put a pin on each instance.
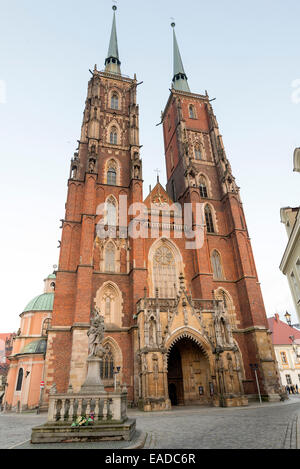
(112, 62)
(179, 76)
(157, 171)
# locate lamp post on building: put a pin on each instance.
(116, 372)
(254, 367)
(288, 318)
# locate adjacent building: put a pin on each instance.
(286, 341)
(27, 357)
(290, 263)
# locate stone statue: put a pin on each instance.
(96, 335)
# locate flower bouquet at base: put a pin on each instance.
(83, 421)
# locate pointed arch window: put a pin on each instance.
(110, 255)
(114, 136)
(209, 220)
(114, 101)
(216, 265)
(111, 211)
(20, 380)
(164, 271)
(192, 113)
(203, 187)
(107, 307)
(111, 176)
(295, 287)
(198, 154)
(228, 305)
(46, 326)
(107, 365)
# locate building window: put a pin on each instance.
(114, 136)
(110, 258)
(164, 270)
(107, 307)
(192, 113)
(298, 268)
(111, 177)
(216, 265)
(107, 365)
(299, 378)
(198, 154)
(295, 286)
(114, 102)
(288, 380)
(283, 358)
(111, 211)
(209, 220)
(46, 326)
(203, 187)
(20, 380)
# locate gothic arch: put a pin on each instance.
(113, 313)
(114, 123)
(222, 294)
(218, 271)
(192, 334)
(116, 352)
(111, 217)
(117, 92)
(205, 178)
(112, 163)
(177, 262)
(214, 216)
(192, 111)
(239, 355)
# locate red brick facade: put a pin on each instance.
(107, 165)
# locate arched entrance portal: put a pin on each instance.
(189, 378)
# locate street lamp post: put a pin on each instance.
(254, 367)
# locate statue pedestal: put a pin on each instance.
(93, 383)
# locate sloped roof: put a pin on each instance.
(281, 332)
(158, 196)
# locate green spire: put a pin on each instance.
(179, 77)
(112, 62)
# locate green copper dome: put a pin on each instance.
(37, 346)
(52, 276)
(42, 302)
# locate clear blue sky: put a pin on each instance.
(246, 54)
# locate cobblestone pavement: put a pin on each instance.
(266, 426)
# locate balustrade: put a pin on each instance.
(67, 408)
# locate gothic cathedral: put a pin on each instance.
(182, 326)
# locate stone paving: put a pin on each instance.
(266, 426)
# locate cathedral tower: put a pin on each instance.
(96, 270)
(198, 171)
